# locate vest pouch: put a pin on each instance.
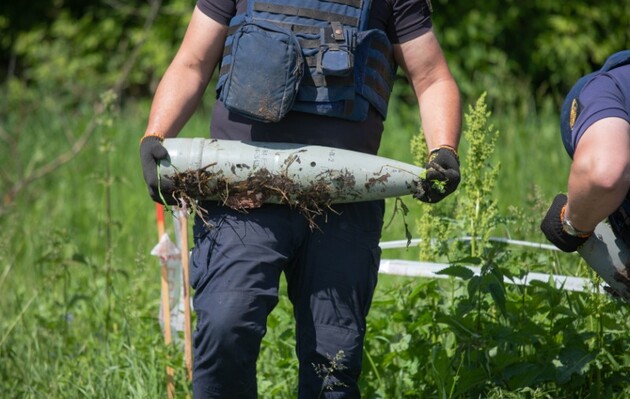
(265, 72)
(336, 61)
(335, 56)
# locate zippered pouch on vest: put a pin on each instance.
(265, 73)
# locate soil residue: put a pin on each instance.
(311, 199)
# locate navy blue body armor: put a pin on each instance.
(314, 56)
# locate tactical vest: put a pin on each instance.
(570, 106)
(314, 56)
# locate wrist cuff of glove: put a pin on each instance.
(156, 135)
(552, 227)
(444, 147)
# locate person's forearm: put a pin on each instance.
(176, 99)
(436, 90)
(441, 114)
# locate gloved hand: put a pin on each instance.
(442, 176)
(151, 152)
(553, 227)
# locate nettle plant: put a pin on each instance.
(475, 336)
(472, 209)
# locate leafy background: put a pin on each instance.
(79, 291)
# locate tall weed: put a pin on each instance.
(476, 336)
(79, 292)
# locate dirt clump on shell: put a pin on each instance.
(311, 199)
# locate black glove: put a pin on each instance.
(553, 228)
(442, 176)
(151, 152)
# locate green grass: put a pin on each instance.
(79, 292)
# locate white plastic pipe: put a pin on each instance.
(348, 176)
(610, 258)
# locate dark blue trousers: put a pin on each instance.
(331, 274)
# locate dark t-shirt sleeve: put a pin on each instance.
(219, 10)
(410, 19)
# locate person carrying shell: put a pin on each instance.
(316, 72)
